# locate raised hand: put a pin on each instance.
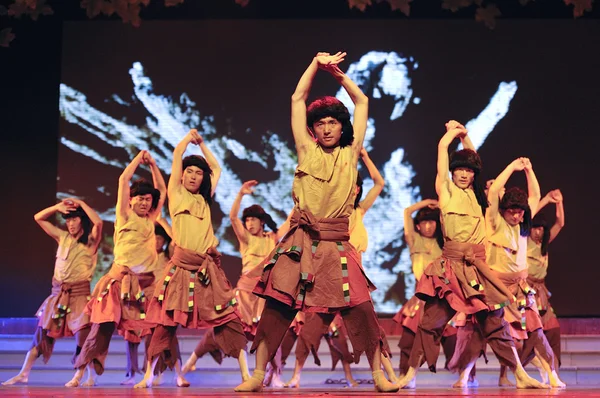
(432, 203)
(148, 159)
(248, 187)
(519, 164)
(326, 60)
(555, 196)
(527, 164)
(66, 206)
(194, 138)
(363, 152)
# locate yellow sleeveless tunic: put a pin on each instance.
(358, 233)
(192, 224)
(324, 184)
(461, 217)
(537, 263)
(422, 252)
(254, 253)
(135, 245)
(74, 261)
(506, 248)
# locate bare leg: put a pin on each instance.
(181, 381)
(523, 379)
(348, 374)
(555, 382)
(190, 364)
(295, 380)
(465, 375)
(243, 362)
(503, 378)
(255, 383)
(91, 380)
(23, 376)
(543, 374)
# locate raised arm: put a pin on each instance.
(498, 185)
(361, 104)
(124, 180)
(378, 181)
(95, 236)
(409, 225)
(177, 166)
(238, 227)
(302, 138)
(533, 188)
(556, 197)
(42, 218)
(159, 183)
(443, 162)
(212, 162)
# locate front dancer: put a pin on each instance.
(195, 293)
(315, 268)
(118, 301)
(460, 280)
(320, 326)
(62, 313)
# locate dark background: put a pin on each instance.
(553, 117)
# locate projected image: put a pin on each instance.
(103, 137)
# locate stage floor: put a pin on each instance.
(56, 391)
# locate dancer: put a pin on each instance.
(62, 313)
(315, 268)
(255, 245)
(537, 260)
(334, 332)
(118, 301)
(195, 292)
(508, 225)
(460, 280)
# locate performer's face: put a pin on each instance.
(463, 177)
(513, 216)
(254, 225)
(427, 228)
(328, 131)
(141, 204)
(160, 243)
(192, 178)
(73, 225)
(537, 234)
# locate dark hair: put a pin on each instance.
(143, 187)
(470, 159)
(540, 221)
(331, 107)
(429, 214)
(359, 183)
(260, 213)
(206, 184)
(516, 198)
(86, 223)
(160, 231)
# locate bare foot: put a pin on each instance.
(353, 383)
(145, 383)
(18, 379)
(555, 382)
(504, 382)
(526, 381)
(158, 380)
(73, 383)
(90, 382)
(472, 383)
(276, 381)
(128, 381)
(182, 382)
(294, 382)
(188, 367)
(544, 376)
(460, 384)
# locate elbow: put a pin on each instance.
(362, 99)
(380, 183)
